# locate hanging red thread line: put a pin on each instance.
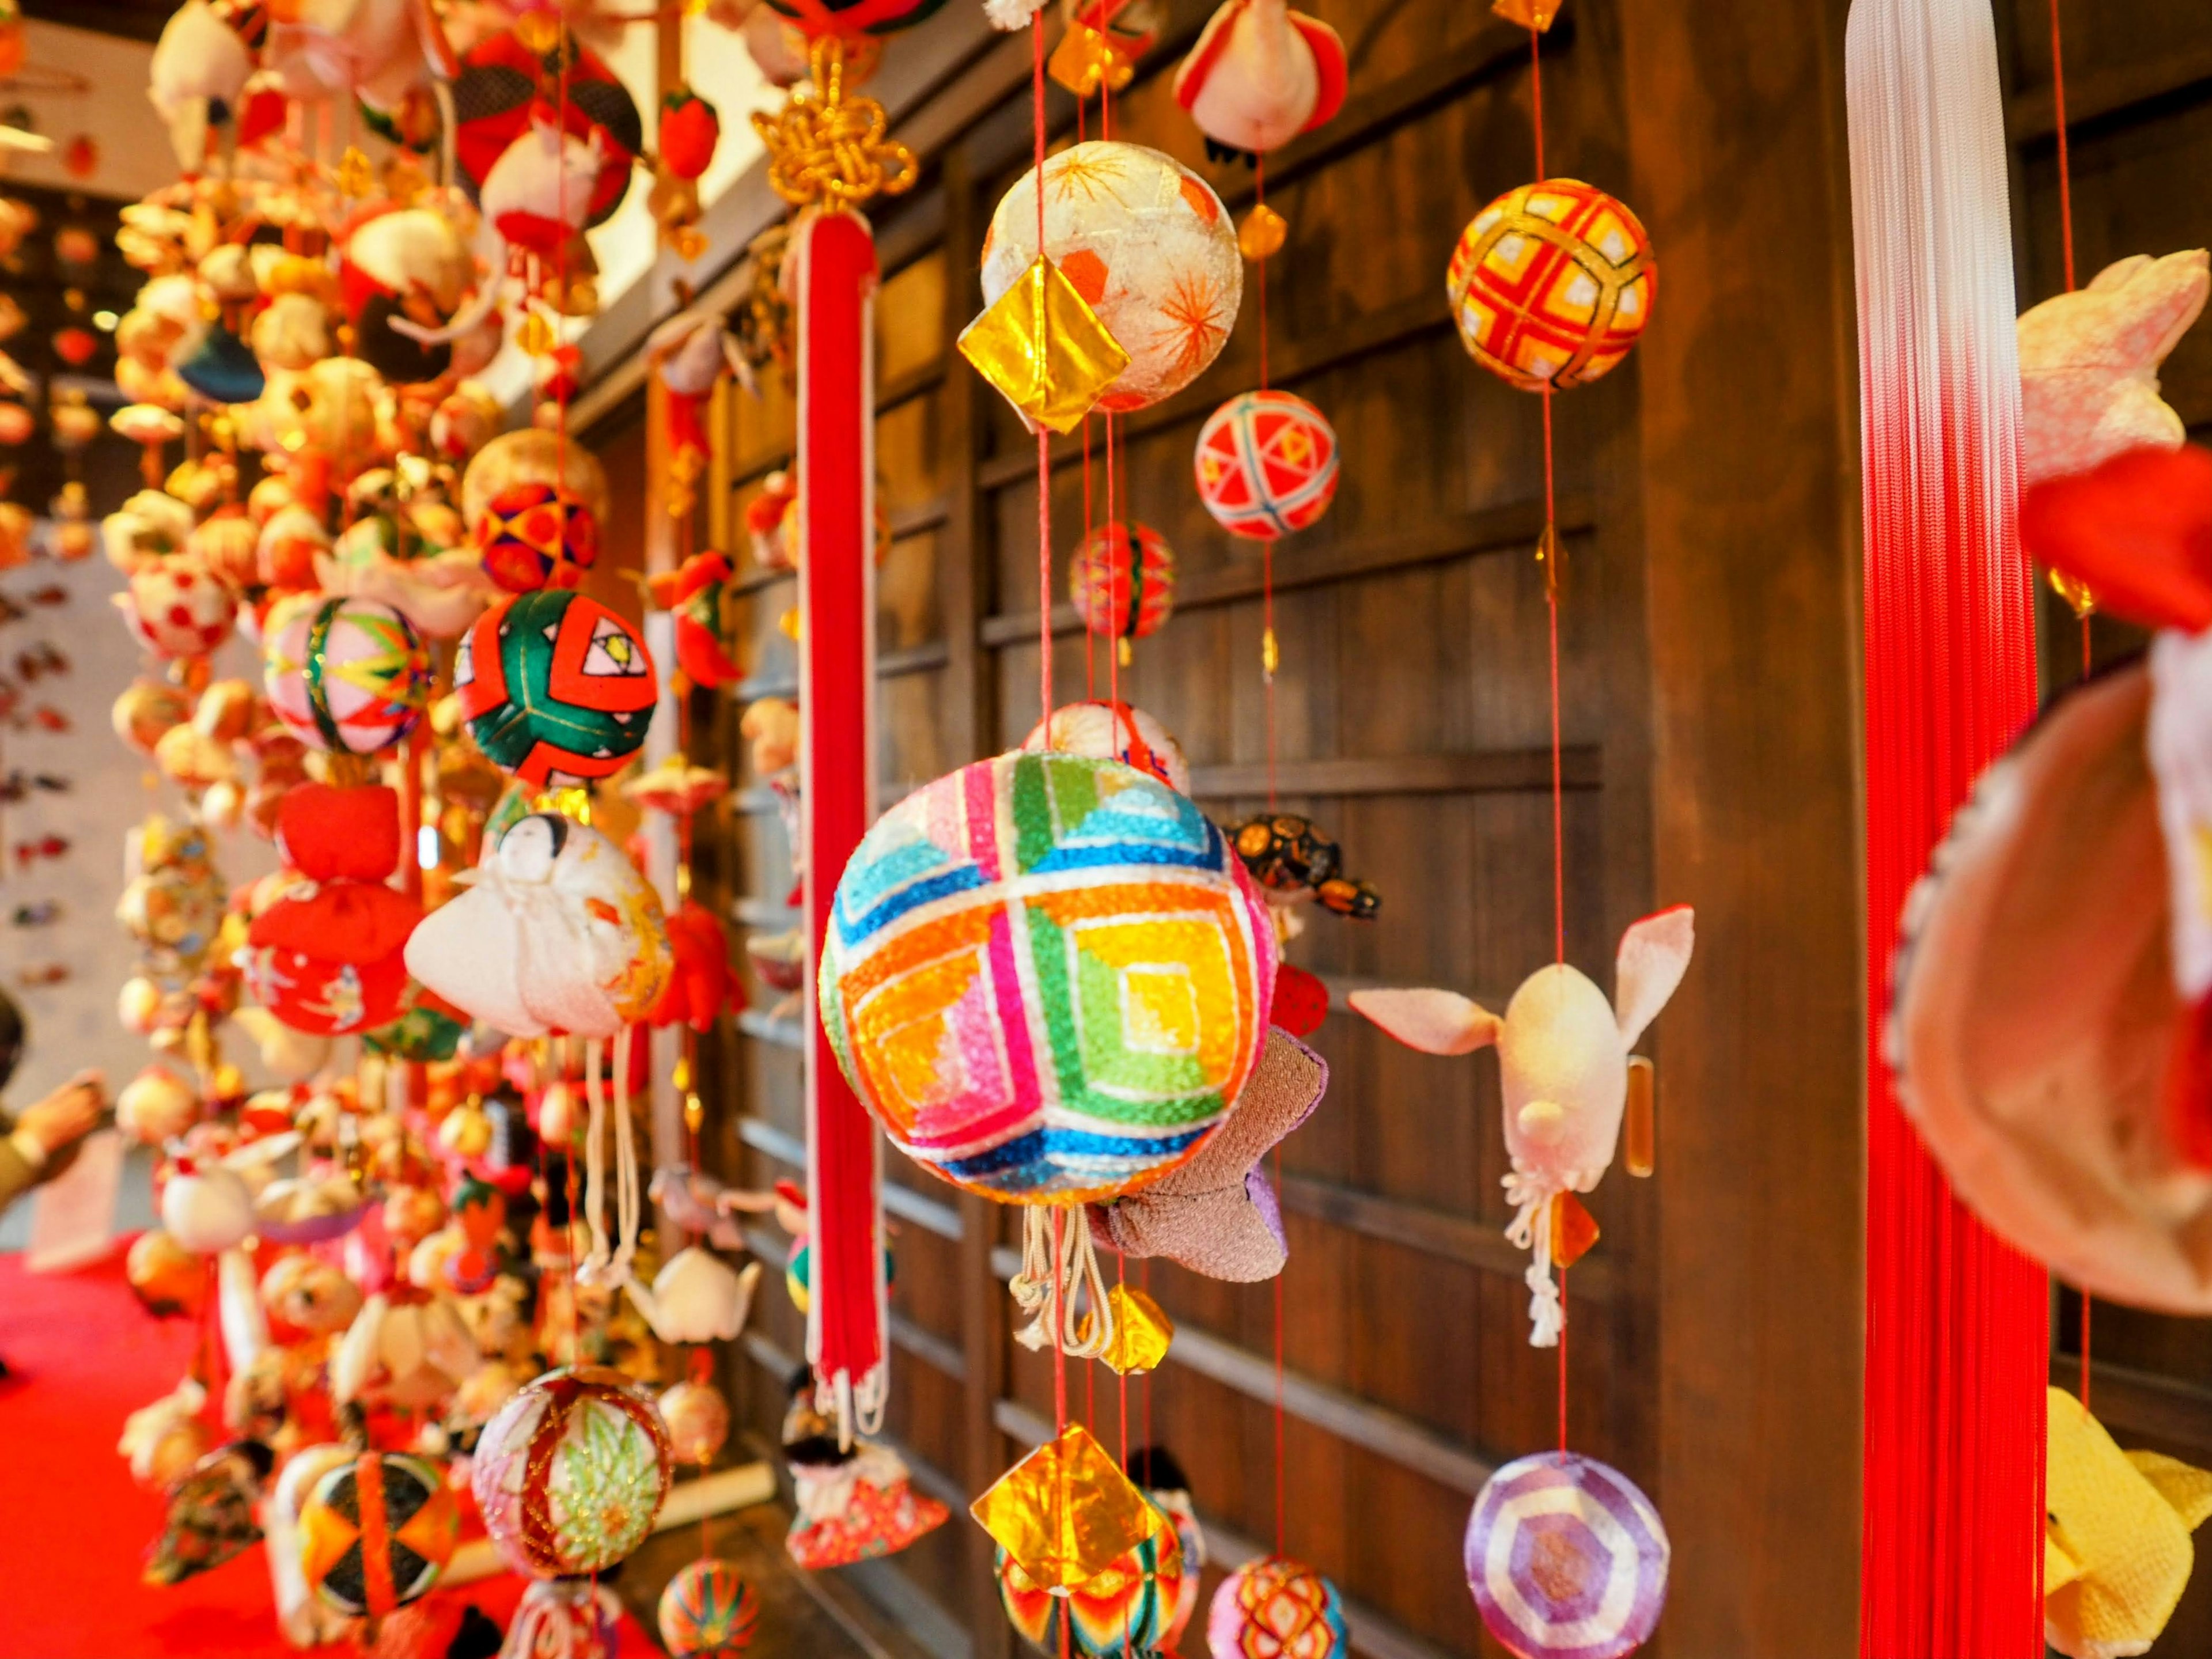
(1121, 1387)
(1259, 202)
(1059, 1325)
(1044, 433)
(1563, 1362)
(1280, 1510)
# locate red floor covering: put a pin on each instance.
(75, 1527)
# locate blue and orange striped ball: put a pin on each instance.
(708, 1611)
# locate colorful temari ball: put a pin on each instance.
(1266, 464)
(1276, 1608)
(555, 687)
(376, 1532)
(1553, 282)
(1148, 246)
(1566, 1556)
(1122, 581)
(1046, 977)
(177, 608)
(708, 1611)
(348, 675)
(570, 1472)
(537, 534)
(1129, 1608)
(1114, 731)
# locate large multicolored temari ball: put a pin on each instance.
(1146, 242)
(571, 1472)
(555, 687)
(1122, 581)
(1266, 464)
(1048, 977)
(1552, 283)
(708, 1611)
(1566, 1557)
(1127, 1609)
(347, 675)
(376, 1532)
(537, 534)
(1276, 1608)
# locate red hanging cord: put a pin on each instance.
(1044, 433)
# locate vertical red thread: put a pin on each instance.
(2065, 170)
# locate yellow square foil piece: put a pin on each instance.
(1142, 1331)
(1086, 59)
(1067, 1512)
(1044, 347)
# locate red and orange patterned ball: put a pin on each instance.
(1553, 284)
(1266, 464)
(1122, 581)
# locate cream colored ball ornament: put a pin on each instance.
(532, 456)
(157, 1105)
(1147, 243)
(206, 1207)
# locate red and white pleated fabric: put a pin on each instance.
(832, 262)
(1957, 1322)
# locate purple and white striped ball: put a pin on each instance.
(1567, 1559)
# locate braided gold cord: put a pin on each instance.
(826, 150)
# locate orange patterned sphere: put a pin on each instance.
(1552, 283)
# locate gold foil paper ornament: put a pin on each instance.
(1537, 15)
(1044, 347)
(1260, 236)
(2078, 595)
(1142, 1331)
(1087, 58)
(1067, 1512)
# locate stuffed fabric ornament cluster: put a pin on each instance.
(1563, 1058)
(1146, 244)
(555, 687)
(326, 957)
(1553, 284)
(1046, 977)
(557, 932)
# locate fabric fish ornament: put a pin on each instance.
(2116, 1548)
(558, 931)
(1562, 1057)
(1217, 1215)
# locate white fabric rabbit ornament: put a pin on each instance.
(1562, 1062)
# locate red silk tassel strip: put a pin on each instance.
(1957, 1335)
(837, 263)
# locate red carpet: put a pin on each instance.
(75, 1527)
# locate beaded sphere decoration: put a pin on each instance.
(348, 675)
(1114, 731)
(555, 687)
(570, 1472)
(1149, 246)
(708, 1611)
(1122, 581)
(1551, 283)
(1567, 1559)
(177, 608)
(1266, 464)
(535, 535)
(1276, 1608)
(1128, 1608)
(1046, 977)
(376, 1532)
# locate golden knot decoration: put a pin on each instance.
(828, 150)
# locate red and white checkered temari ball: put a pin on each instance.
(1553, 282)
(177, 608)
(1266, 464)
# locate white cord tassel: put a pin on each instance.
(1531, 1197)
(1012, 15)
(626, 1201)
(592, 1269)
(1046, 1277)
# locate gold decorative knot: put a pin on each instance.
(827, 149)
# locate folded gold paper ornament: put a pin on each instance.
(1537, 15)
(1142, 1331)
(1087, 58)
(1044, 347)
(1067, 1512)
(1260, 236)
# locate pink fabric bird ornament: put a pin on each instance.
(1261, 74)
(1563, 1058)
(1217, 1215)
(2090, 362)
